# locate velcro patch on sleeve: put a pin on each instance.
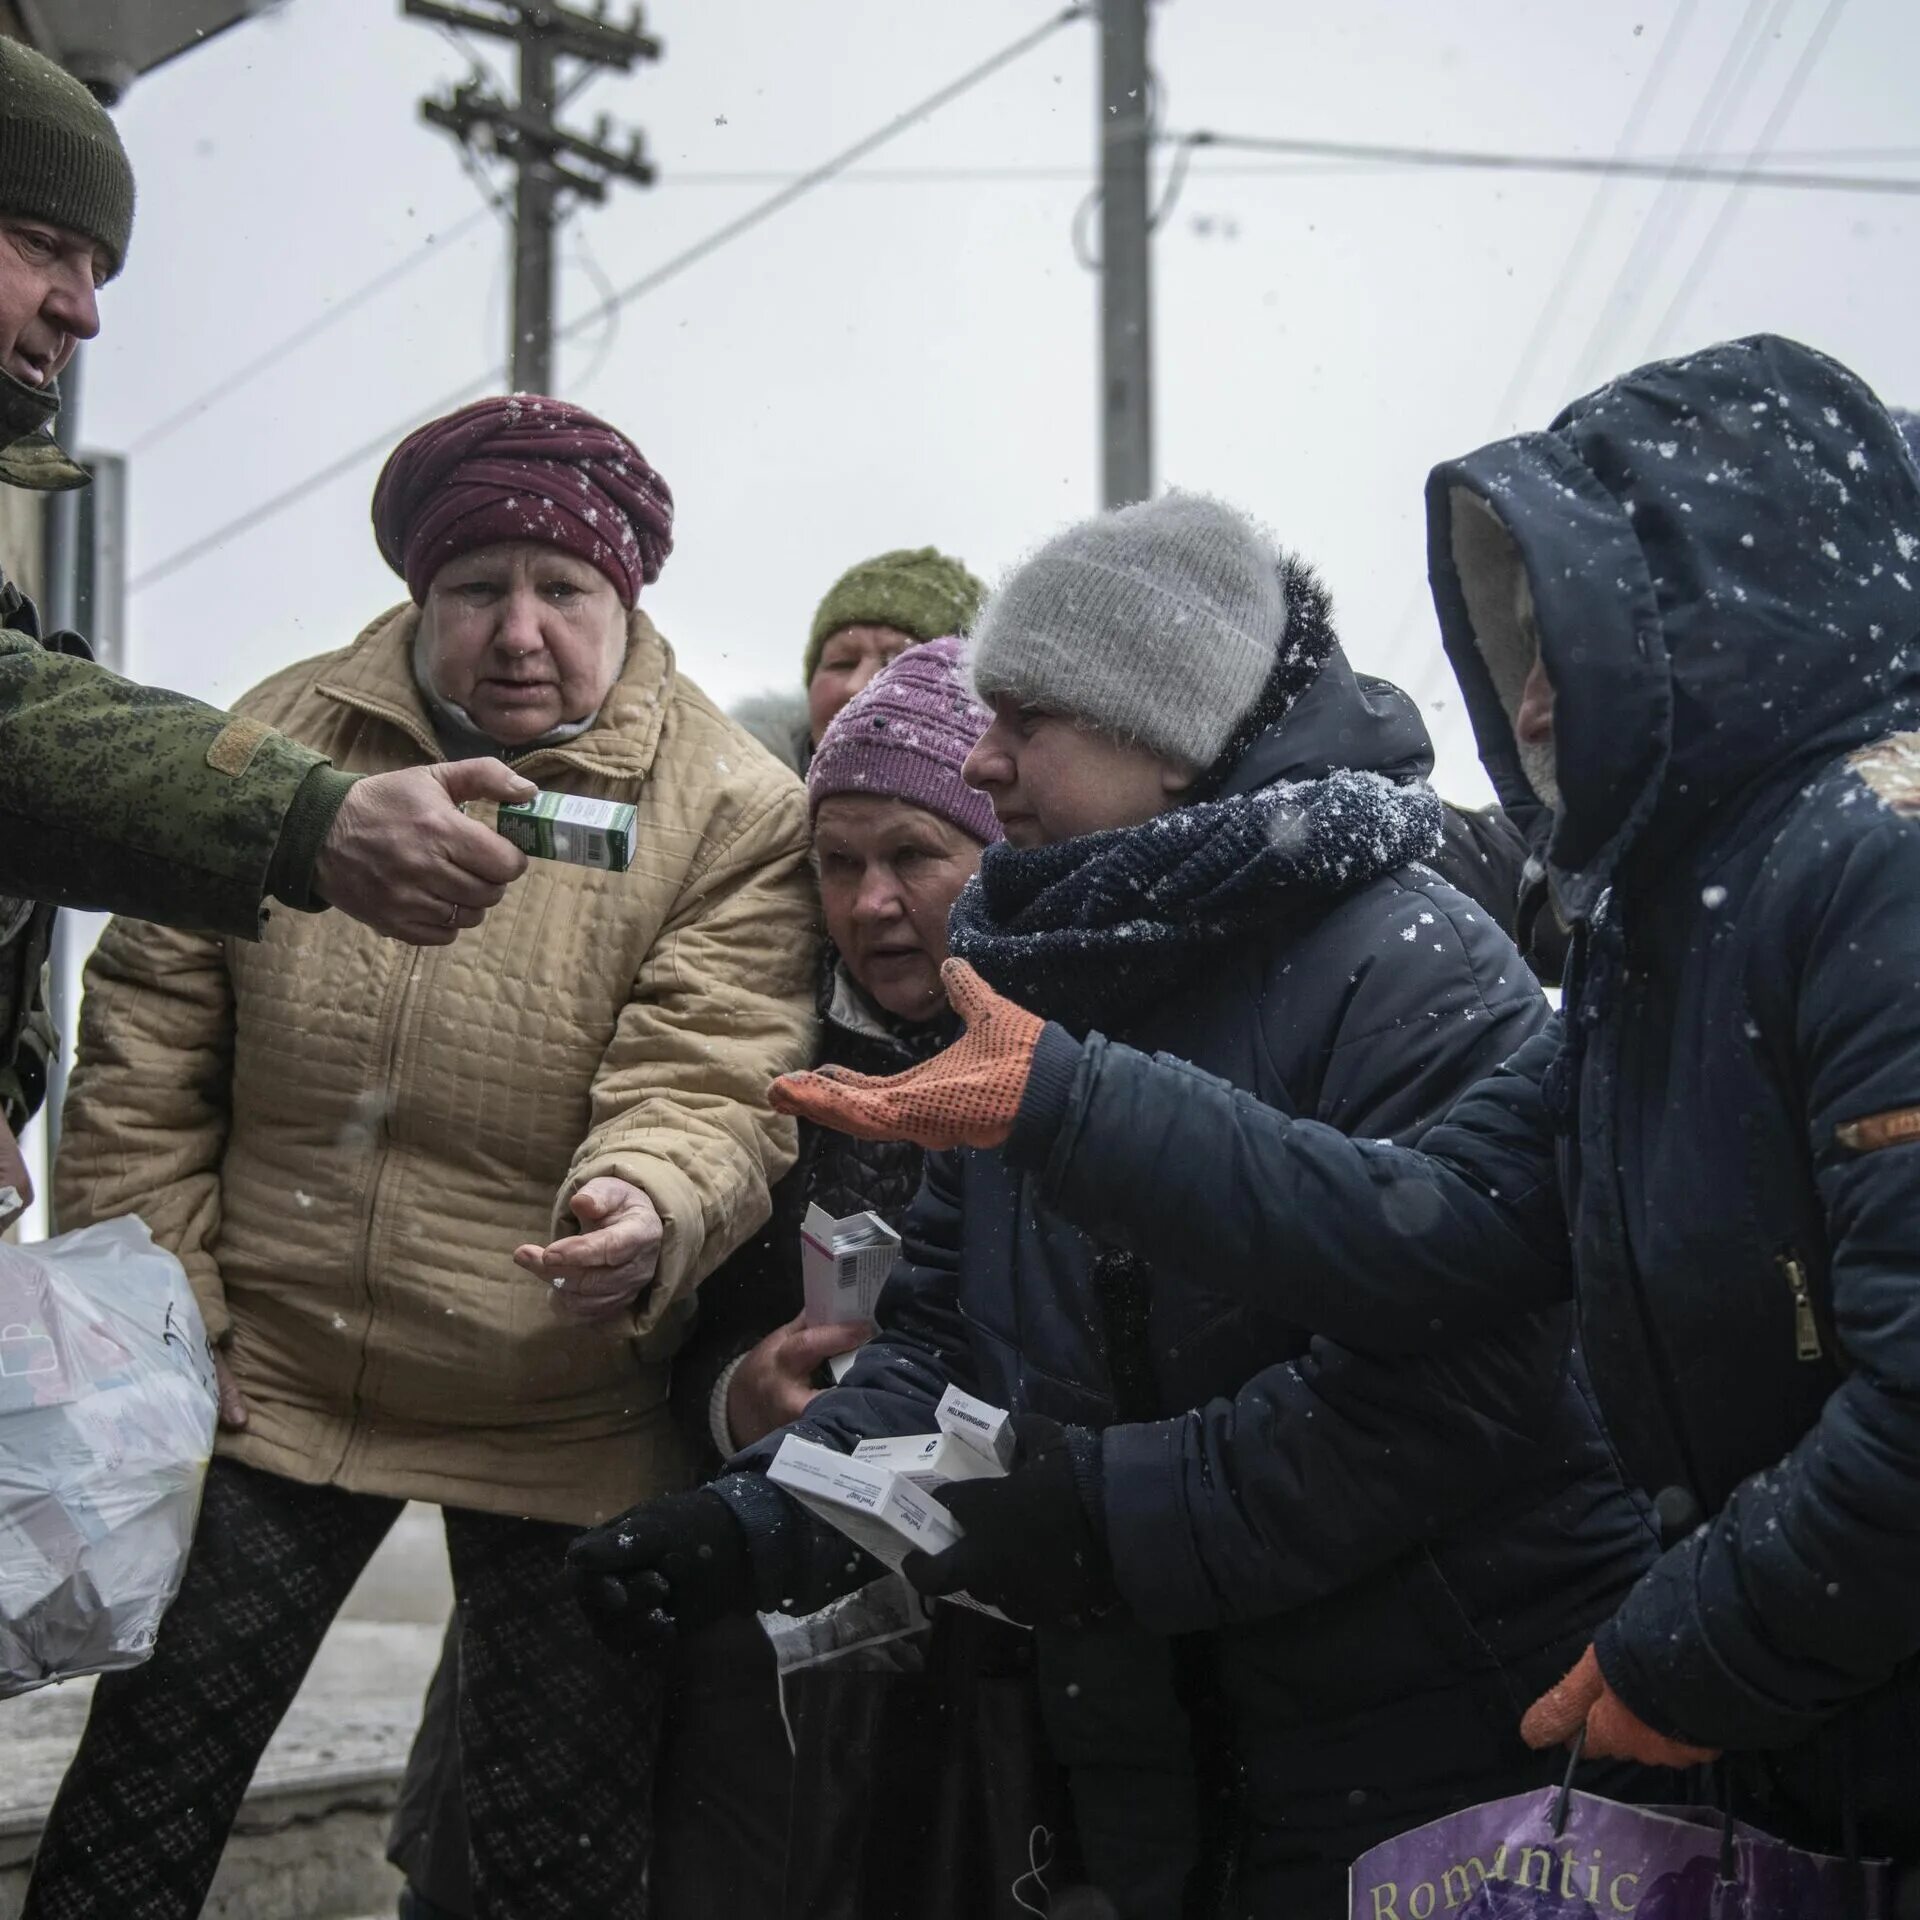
(1879, 1130)
(1891, 770)
(235, 745)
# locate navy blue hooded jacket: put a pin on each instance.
(1720, 1151)
(1382, 1559)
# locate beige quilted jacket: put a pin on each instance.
(344, 1138)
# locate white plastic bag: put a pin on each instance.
(107, 1413)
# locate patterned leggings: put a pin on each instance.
(557, 1739)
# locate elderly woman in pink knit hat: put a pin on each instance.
(884, 1807)
(445, 1211)
(896, 834)
(912, 1791)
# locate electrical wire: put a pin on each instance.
(1733, 79)
(1437, 671)
(1680, 169)
(1175, 181)
(1548, 319)
(1723, 220)
(433, 248)
(436, 245)
(278, 503)
(827, 170)
(589, 263)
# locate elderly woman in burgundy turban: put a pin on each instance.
(445, 1210)
(523, 494)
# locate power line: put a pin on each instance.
(763, 210)
(827, 170)
(1723, 220)
(1733, 79)
(1557, 294)
(433, 248)
(551, 163)
(1434, 679)
(1704, 172)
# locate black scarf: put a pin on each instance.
(1092, 931)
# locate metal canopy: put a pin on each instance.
(110, 43)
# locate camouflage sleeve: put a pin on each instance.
(132, 800)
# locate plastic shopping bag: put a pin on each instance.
(1558, 1855)
(106, 1422)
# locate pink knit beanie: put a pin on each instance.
(905, 736)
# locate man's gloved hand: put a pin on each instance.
(1614, 1730)
(966, 1096)
(670, 1566)
(1032, 1546)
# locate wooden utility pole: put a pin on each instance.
(1126, 258)
(525, 133)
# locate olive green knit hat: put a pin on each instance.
(918, 590)
(61, 160)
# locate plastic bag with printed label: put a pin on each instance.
(107, 1415)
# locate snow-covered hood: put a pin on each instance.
(1718, 557)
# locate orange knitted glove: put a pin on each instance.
(1614, 1730)
(966, 1096)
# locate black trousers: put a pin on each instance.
(557, 1741)
(721, 1793)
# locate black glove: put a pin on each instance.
(1033, 1546)
(671, 1566)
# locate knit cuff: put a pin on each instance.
(768, 1519)
(1048, 1098)
(303, 834)
(717, 1428)
(1618, 1670)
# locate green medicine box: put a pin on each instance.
(563, 826)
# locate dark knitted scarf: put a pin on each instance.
(1093, 930)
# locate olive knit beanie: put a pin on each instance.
(916, 590)
(61, 160)
(1160, 623)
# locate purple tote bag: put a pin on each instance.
(1559, 1855)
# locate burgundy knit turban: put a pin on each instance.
(522, 467)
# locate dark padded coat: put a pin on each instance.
(1723, 556)
(1347, 1576)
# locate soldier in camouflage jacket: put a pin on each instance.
(127, 798)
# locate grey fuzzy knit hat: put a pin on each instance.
(1159, 623)
(61, 160)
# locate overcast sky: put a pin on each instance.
(900, 362)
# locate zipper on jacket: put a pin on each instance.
(398, 996)
(1806, 1330)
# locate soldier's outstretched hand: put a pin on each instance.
(404, 859)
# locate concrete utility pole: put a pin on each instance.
(1126, 258)
(525, 133)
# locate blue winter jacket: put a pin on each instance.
(1382, 1561)
(1719, 1152)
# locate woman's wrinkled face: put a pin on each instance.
(889, 875)
(848, 661)
(1052, 778)
(523, 638)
